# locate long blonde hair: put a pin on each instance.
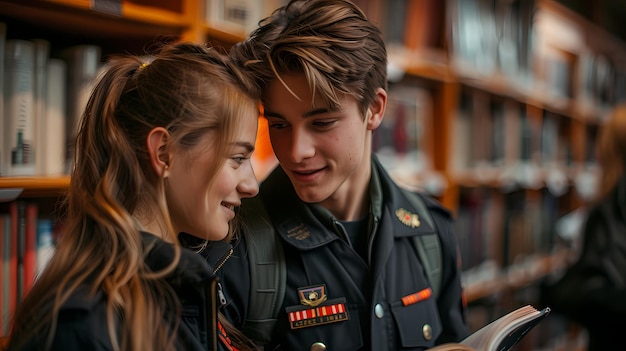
(187, 89)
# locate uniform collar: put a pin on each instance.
(192, 268)
(214, 252)
(400, 211)
(306, 226)
(299, 224)
(387, 197)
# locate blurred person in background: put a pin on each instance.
(592, 291)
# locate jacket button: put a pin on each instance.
(379, 311)
(318, 346)
(427, 331)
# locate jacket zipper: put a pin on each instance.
(220, 295)
(342, 231)
(371, 240)
(223, 260)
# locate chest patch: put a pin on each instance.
(316, 309)
(407, 218)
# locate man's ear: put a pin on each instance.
(376, 111)
(159, 159)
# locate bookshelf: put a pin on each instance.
(509, 95)
(519, 90)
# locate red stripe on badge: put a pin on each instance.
(417, 297)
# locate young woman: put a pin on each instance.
(591, 291)
(163, 148)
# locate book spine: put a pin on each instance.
(31, 213)
(6, 272)
(41, 48)
(11, 251)
(19, 119)
(83, 63)
(21, 250)
(45, 244)
(3, 234)
(4, 166)
(54, 142)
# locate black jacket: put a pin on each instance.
(82, 319)
(321, 261)
(592, 292)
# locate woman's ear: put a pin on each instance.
(376, 111)
(159, 159)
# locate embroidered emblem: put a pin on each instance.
(299, 232)
(331, 312)
(312, 296)
(417, 297)
(407, 218)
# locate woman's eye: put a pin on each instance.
(239, 159)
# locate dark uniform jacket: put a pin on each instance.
(592, 292)
(82, 319)
(362, 295)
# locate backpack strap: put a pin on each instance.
(268, 273)
(428, 246)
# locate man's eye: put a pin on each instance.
(324, 123)
(277, 125)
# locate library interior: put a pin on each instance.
(495, 107)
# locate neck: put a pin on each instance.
(152, 226)
(352, 200)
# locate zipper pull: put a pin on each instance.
(220, 295)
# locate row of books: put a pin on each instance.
(568, 68)
(515, 132)
(239, 16)
(534, 49)
(501, 141)
(41, 101)
(26, 245)
(501, 229)
(490, 37)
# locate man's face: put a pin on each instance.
(325, 152)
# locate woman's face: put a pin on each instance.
(200, 206)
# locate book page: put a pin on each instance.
(506, 330)
(452, 347)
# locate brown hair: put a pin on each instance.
(331, 41)
(611, 149)
(187, 89)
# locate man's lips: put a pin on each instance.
(307, 175)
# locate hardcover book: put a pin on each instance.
(501, 334)
(19, 132)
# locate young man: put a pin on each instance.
(349, 235)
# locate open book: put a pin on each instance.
(501, 334)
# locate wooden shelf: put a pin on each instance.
(427, 64)
(65, 15)
(518, 276)
(36, 186)
(223, 35)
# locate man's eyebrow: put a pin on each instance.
(317, 111)
(267, 113)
